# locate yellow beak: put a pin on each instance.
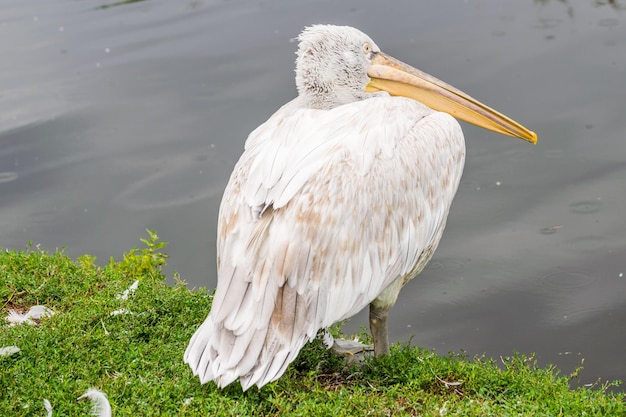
(399, 79)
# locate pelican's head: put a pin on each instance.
(331, 68)
(340, 64)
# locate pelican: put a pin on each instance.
(338, 200)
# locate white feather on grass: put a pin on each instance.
(101, 406)
(120, 311)
(329, 340)
(48, 407)
(9, 350)
(128, 292)
(35, 312)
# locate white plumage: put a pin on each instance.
(48, 407)
(338, 200)
(100, 402)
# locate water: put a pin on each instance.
(118, 119)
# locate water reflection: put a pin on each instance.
(615, 4)
(119, 3)
(8, 176)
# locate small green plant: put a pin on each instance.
(138, 262)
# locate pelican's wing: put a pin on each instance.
(323, 211)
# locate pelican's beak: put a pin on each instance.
(399, 79)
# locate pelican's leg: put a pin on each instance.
(378, 327)
(379, 310)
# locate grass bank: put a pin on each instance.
(130, 344)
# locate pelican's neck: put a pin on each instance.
(329, 99)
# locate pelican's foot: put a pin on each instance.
(352, 350)
(350, 347)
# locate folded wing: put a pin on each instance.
(323, 211)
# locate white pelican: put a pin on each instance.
(338, 200)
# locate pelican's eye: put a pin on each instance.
(367, 48)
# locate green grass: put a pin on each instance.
(136, 359)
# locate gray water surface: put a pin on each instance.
(117, 119)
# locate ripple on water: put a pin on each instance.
(589, 244)
(547, 23)
(575, 316)
(176, 184)
(446, 264)
(608, 22)
(585, 207)
(8, 176)
(566, 280)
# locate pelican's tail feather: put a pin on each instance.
(256, 357)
